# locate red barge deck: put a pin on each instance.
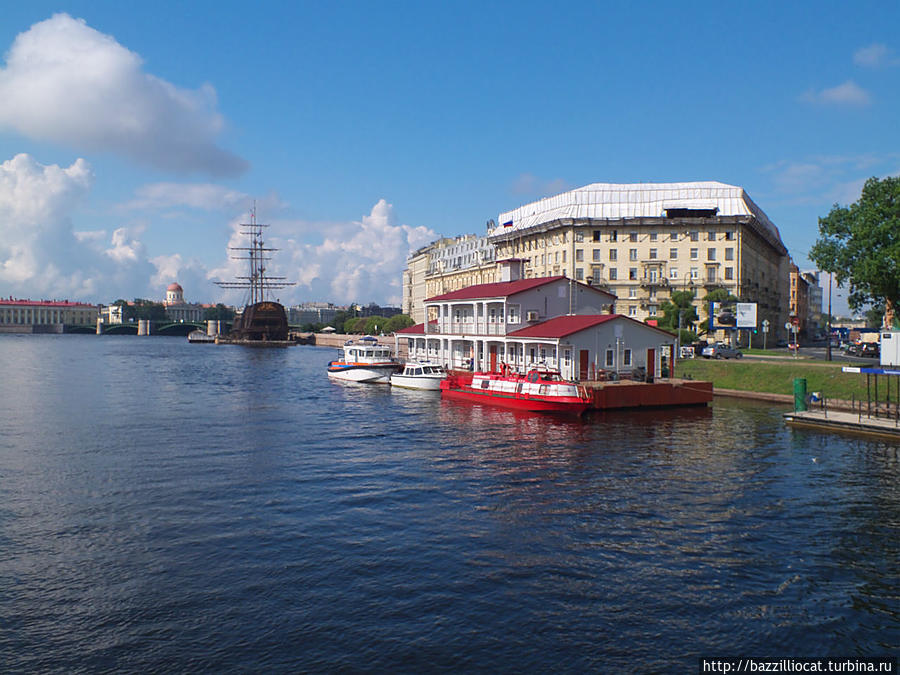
(623, 394)
(659, 394)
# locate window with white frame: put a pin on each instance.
(512, 313)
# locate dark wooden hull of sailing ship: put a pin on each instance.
(263, 322)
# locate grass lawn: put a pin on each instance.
(777, 377)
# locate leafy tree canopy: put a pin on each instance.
(398, 322)
(860, 245)
(681, 302)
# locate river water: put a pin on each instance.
(175, 507)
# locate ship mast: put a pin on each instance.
(258, 282)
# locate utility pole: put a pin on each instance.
(828, 336)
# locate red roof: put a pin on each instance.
(502, 289)
(561, 326)
(418, 329)
(46, 303)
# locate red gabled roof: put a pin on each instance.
(561, 326)
(418, 329)
(497, 289)
(504, 289)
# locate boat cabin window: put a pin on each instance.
(485, 384)
(417, 371)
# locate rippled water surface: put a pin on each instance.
(176, 507)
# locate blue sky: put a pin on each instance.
(135, 136)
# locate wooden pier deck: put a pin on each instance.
(662, 393)
(844, 421)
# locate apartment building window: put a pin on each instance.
(695, 273)
(632, 236)
(632, 254)
(632, 293)
(695, 236)
(673, 236)
(556, 258)
(632, 273)
(673, 254)
(595, 255)
(613, 255)
(711, 235)
(596, 235)
(729, 273)
(651, 310)
(579, 274)
(613, 236)
(564, 256)
(613, 274)
(632, 310)
(695, 254)
(729, 254)
(652, 254)
(673, 272)
(729, 236)
(710, 254)
(579, 255)
(653, 236)
(711, 275)
(579, 236)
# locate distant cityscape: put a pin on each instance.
(19, 315)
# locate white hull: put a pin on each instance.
(370, 375)
(412, 382)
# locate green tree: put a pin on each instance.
(398, 322)
(681, 302)
(374, 325)
(147, 309)
(355, 325)
(218, 313)
(338, 322)
(860, 245)
(721, 295)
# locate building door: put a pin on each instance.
(651, 364)
(583, 360)
(493, 358)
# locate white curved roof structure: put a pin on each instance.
(618, 201)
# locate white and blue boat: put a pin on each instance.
(364, 360)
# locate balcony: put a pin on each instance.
(658, 282)
(467, 328)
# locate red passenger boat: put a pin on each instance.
(538, 390)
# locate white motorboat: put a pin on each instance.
(419, 375)
(364, 360)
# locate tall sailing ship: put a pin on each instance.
(263, 321)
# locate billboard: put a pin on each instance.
(746, 315)
(732, 315)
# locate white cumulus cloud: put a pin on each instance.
(41, 253)
(847, 94)
(65, 82)
(360, 261)
(875, 56)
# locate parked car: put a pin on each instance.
(720, 350)
(869, 349)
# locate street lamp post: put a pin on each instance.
(828, 336)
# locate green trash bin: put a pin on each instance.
(799, 394)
